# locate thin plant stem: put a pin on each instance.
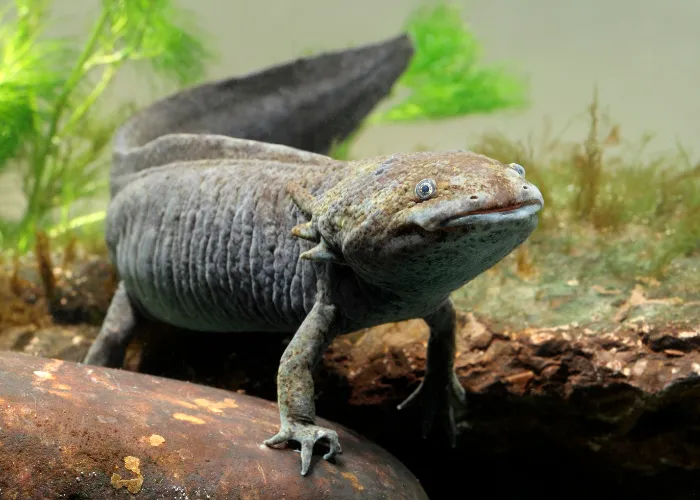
(40, 156)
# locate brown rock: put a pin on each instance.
(579, 388)
(73, 431)
(616, 397)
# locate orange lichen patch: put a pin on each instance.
(216, 407)
(100, 381)
(156, 440)
(42, 375)
(59, 393)
(353, 479)
(53, 365)
(179, 402)
(262, 473)
(186, 404)
(62, 387)
(188, 418)
(328, 466)
(133, 485)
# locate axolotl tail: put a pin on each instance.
(307, 104)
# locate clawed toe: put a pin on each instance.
(278, 438)
(412, 399)
(307, 436)
(439, 400)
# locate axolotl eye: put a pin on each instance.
(425, 189)
(518, 168)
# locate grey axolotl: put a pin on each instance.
(212, 232)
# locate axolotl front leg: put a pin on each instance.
(295, 386)
(440, 391)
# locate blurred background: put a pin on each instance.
(644, 56)
(641, 54)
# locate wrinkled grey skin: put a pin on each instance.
(215, 233)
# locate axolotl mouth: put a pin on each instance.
(515, 212)
(454, 218)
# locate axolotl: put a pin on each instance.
(262, 237)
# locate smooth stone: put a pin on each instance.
(73, 431)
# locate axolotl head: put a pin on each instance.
(424, 222)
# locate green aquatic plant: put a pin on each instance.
(599, 191)
(30, 70)
(53, 128)
(445, 78)
(639, 209)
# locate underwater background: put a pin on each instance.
(641, 55)
(580, 351)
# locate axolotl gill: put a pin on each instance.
(266, 237)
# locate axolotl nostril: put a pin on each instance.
(214, 233)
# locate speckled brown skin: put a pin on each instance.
(214, 233)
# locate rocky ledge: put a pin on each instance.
(611, 404)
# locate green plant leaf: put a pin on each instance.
(51, 127)
(164, 36)
(445, 78)
(32, 71)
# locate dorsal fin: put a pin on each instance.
(308, 104)
(173, 148)
(197, 148)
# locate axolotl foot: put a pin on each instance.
(440, 396)
(306, 435)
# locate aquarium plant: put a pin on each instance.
(634, 211)
(54, 126)
(55, 131)
(445, 78)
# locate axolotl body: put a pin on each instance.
(260, 237)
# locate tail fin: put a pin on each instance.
(306, 104)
